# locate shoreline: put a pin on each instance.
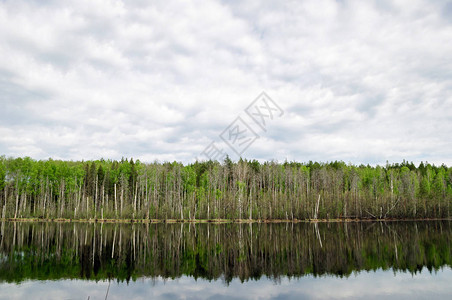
(216, 221)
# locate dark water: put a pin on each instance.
(400, 260)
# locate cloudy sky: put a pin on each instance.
(358, 81)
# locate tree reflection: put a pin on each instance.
(125, 252)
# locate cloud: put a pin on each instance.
(363, 82)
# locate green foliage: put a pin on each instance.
(269, 190)
(2, 173)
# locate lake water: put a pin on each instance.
(399, 260)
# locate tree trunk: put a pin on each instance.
(116, 203)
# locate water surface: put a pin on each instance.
(398, 260)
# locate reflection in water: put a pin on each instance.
(49, 251)
(372, 285)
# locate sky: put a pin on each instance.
(358, 81)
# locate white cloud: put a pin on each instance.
(363, 82)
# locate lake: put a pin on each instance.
(399, 260)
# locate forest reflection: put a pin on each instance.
(50, 251)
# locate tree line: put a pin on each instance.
(246, 189)
(52, 251)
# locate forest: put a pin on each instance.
(212, 190)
